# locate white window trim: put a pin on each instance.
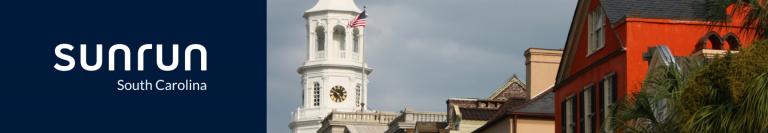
(606, 97)
(570, 124)
(596, 33)
(587, 100)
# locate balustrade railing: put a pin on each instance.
(414, 117)
(320, 54)
(355, 56)
(369, 117)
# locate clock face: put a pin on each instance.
(338, 94)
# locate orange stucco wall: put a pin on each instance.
(635, 36)
(680, 36)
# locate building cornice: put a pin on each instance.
(342, 66)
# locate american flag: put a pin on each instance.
(359, 20)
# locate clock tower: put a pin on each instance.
(333, 77)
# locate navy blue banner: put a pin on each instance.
(36, 97)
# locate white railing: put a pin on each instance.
(408, 118)
(369, 117)
(320, 54)
(342, 54)
(712, 53)
(305, 113)
(355, 56)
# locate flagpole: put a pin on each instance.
(362, 64)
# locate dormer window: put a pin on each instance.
(596, 32)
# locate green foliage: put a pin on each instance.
(750, 62)
(645, 111)
(726, 94)
(756, 17)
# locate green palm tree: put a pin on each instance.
(728, 94)
(756, 15)
(650, 110)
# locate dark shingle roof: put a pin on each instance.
(543, 105)
(477, 113)
(672, 9)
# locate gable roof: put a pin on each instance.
(617, 10)
(576, 26)
(540, 106)
(513, 88)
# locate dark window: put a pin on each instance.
(339, 37)
(608, 91)
(614, 91)
(601, 100)
(715, 41)
(357, 95)
(563, 116)
(733, 42)
(587, 105)
(320, 38)
(316, 93)
(574, 117)
(356, 40)
(570, 116)
(580, 101)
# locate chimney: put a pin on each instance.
(541, 69)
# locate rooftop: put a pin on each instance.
(617, 10)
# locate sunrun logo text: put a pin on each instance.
(127, 52)
(139, 84)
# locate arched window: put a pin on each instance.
(733, 42)
(316, 92)
(356, 40)
(357, 95)
(338, 37)
(715, 41)
(320, 31)
(710, 40)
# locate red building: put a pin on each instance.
(603, 58)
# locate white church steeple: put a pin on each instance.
(332, 75)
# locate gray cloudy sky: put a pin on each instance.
(422, 51)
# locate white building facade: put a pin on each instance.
(332, 75)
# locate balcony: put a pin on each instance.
(712, 53)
